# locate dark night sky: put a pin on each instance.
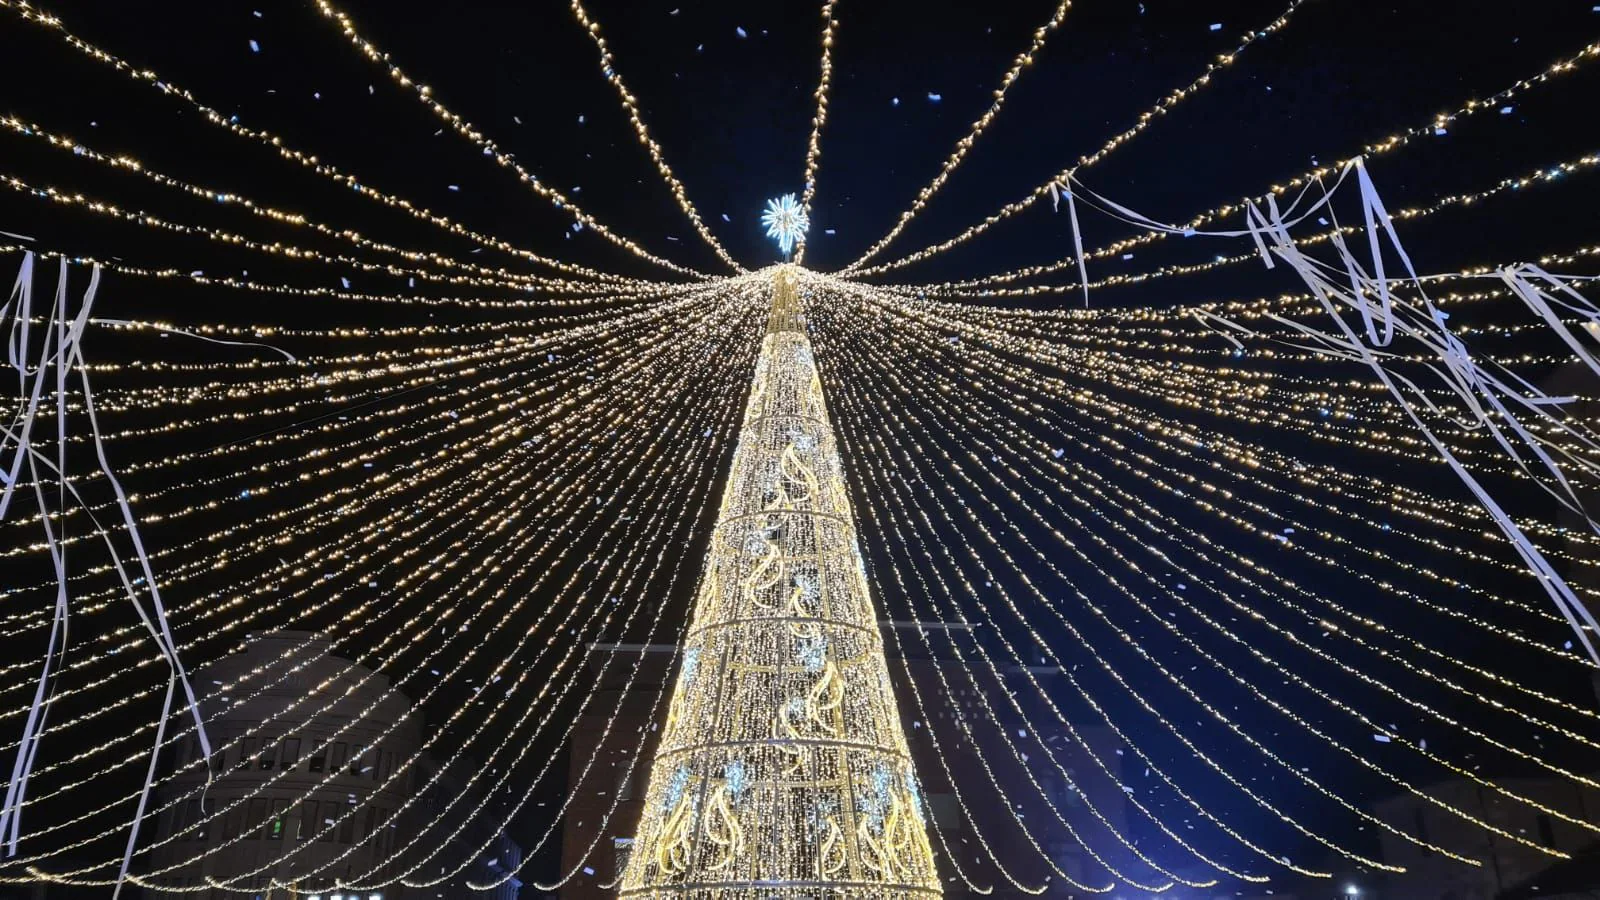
(732, 116)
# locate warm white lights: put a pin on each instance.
(782, 760)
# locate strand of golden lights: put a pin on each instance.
(1310, 414)
(334, 428)
(485, 275)
(631, 105)
(598, 322)
(575, 786)
(1003, 734)
(490, 149)
(934, 397)
(1165, 105)
(1018, 664)
(731, 374)
(1022, 61)
(461, 409)
(1445, 546)
(1000, 790)
(337, 403)
(368, 458)
(620, 588)
(1060, 324)
(1542, 175)
(1437, 126)
(818, 120)
(723, 331)
(198, 277)
(1057, 664)
(1476, 734)
(266, 543)
(30, 13)
(1258, 530)
(1255, 457)
(289, 251)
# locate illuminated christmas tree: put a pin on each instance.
(782, 768)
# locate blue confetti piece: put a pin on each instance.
(740, 31)
(934, 98)
(254, 47)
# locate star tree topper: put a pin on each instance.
(786, 222)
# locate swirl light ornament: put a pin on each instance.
(783, 769)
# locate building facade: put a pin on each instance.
(302, 742)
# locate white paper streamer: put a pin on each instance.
(1495, 401)
(67, 356)
(1077, 244)
(168, 329)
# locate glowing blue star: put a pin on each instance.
(786, 222)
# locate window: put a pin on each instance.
(336, 761)
(257, 816)
(291, 754)
(355, 759)
(269, 753)
(372, 821)
(308, 819)
(318, 760)
(230, 823)
(1547, 833)
(347, 828)
(280, 810)
(330, 812)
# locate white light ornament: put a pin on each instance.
(786, 222)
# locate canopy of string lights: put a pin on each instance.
(386, 515)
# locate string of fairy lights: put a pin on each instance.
(920, 405)
(955, 584)
(818, 121)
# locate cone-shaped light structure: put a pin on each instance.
(783, 769)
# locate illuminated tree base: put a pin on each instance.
(783, 769)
